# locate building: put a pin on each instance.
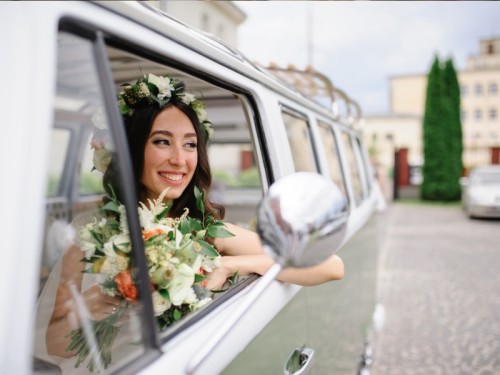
(219, 18)
(480, 108)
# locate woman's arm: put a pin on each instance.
(64, 316)
(243, 253)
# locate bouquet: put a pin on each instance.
(178, 256)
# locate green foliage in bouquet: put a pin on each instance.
(178, 256)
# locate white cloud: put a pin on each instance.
(359, 45)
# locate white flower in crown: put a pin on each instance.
(164, 85)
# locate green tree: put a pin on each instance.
(452, 96)
(434, 142)
(442, 135)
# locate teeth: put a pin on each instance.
(173, 177)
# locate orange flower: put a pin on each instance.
(201, 272)
(126, 286)
(147, 234)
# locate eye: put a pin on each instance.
(161, 141)
(191, 145)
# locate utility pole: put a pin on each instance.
(310, 29)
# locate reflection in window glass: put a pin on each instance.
(71, 301)
(235, 181)
(357, 186)
(234, 161)
(334, 167)
(367, 168)
(299, 139)
(61, 138)
(90, 177)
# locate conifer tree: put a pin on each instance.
(452, 96)
(442, 135)
(434, 141)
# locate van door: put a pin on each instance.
(340, 313)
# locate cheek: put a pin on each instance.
(192, 162)
(152, 157)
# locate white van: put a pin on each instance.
(61, 62)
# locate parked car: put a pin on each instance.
(481, 192)
(64, 61)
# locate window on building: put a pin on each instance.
(492, 114)
(464, 89)
(463, 115)
(491, 49)
(493, 89)
(478, 114)
(478, 89)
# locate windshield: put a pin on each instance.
(486, 177)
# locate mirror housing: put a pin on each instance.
(298, 211)
(302, 219)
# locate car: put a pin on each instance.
(64, 64)
(481, 192)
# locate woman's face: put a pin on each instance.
(171, 155)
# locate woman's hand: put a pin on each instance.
(71, 308)
(218, 277)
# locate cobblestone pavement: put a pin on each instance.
(439, 282)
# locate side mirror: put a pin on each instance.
(302, 219)
(298, 211)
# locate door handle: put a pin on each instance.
(300, 361)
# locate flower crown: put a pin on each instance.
(158, 90)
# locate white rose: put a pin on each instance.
(160, 304)
(163, 85)
(101, 159)
(179, 287)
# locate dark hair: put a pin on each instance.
(137, 128)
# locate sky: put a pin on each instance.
(359, 45)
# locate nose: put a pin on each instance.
(177, 156)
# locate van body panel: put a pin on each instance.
(286, 316)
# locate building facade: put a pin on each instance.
(480, 109)
(219, 18)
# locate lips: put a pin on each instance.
(171, 176)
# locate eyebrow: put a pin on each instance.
(170, 134)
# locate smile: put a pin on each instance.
(171, 176)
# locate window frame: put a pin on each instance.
(248, 100)
(289, 111)
(327, 126)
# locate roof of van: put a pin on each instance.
(206, 44)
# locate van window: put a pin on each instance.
(90, 178)
(327, 136)
(60, 137)
(299, 138)
(368, 168)
(355, 172)
(70, 301)
(237, 158)
(234, 161)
